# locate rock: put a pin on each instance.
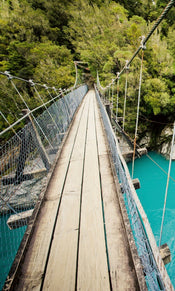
(161, 143)
(165, 253)
(173, 153)
(164, 141)
(25, 195)
(146, 140)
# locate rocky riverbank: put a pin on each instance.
(160, 143)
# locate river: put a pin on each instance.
(8, 250)
(151, 194)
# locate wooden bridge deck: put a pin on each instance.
(79, 240)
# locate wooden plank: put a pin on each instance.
(33, 267)
(136, 183)
(61, 270)
(92, 263)
(165, 253)
(122, 272)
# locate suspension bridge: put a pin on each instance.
(69, 209)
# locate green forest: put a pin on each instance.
(41, 39)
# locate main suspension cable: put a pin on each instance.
(146, 38)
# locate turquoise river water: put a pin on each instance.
(8, 250)
(151, 194)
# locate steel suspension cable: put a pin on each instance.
(13, 84)
(7, 74)
(109, 93)
(118, 90)
(167, 185)
(112, 94)
(65, 104)
(39, 96)
(148, 156)
(126, 87)
(158, 21)
(51, 95)
(76, 78)
(27, 114)
(138, 107)
(9, 125)
(146, 38)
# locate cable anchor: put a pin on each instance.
(118, 75)
(10, 77)
(45, 86)
(126, 65)
(143, 45)
(31, 83)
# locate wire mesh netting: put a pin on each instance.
(25, 160)
(151, 271)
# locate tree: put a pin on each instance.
(53, 64)
(96, 38)
(157, 95)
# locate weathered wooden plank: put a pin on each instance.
(92, 263)
(122, 272)
(61, 269)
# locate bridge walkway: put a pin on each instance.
(79, 240)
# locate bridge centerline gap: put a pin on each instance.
(102, 202)
(82, 179)
(59, 204)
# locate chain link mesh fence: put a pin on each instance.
(152, 274)
(25, 160)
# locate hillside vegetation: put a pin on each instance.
(40, 39)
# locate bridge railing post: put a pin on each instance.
(39, 145)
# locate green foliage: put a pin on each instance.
(156, 94)
(161, 4)
(96, 38)
(135, 30)
(40, 39)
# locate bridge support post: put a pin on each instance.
(108, 109)
(38, 143)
